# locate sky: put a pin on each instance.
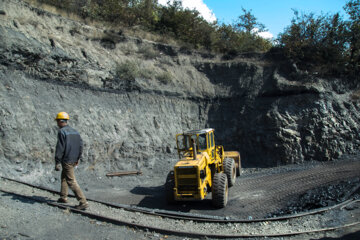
(274, 14)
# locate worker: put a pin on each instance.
(67, 155)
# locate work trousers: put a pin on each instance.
(68, 180)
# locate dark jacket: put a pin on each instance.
(69, 146)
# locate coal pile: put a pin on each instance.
(324, 196)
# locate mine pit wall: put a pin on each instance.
(133, 130)
(120, 131)
(278, 131)
(256, 107)
(275, 121)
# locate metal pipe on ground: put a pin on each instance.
(117, 174)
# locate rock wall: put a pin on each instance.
(115, 127)
(49, 64)
(276, 120)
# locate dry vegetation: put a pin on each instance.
(327, 45)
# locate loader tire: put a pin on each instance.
(169, 188)
(230, 171)
(219, 190)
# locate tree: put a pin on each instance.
(316, 43)
(352, 8)
(247, 22)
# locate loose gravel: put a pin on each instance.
(307, 223)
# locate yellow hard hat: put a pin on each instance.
(62, 116)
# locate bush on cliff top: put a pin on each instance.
(173, 21)
(326, 45)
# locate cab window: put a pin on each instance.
(184, 142)
(212, 139)
(202, 141)
(181, 142)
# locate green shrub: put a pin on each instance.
(128, 70)
(325, 44)
(146, 73)
(164, 77)
(149, 52)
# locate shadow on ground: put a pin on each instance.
(154, 197)
(16, 197)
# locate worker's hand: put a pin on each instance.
(57, 167)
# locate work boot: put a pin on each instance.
(82, 206)
(62, 200)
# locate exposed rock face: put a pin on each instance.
(50, 64)
(274, 120)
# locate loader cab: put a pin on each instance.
(202, 140)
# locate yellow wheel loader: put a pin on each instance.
(203, 167)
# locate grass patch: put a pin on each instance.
(130, 70)
(165, 77)
(149, 52)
